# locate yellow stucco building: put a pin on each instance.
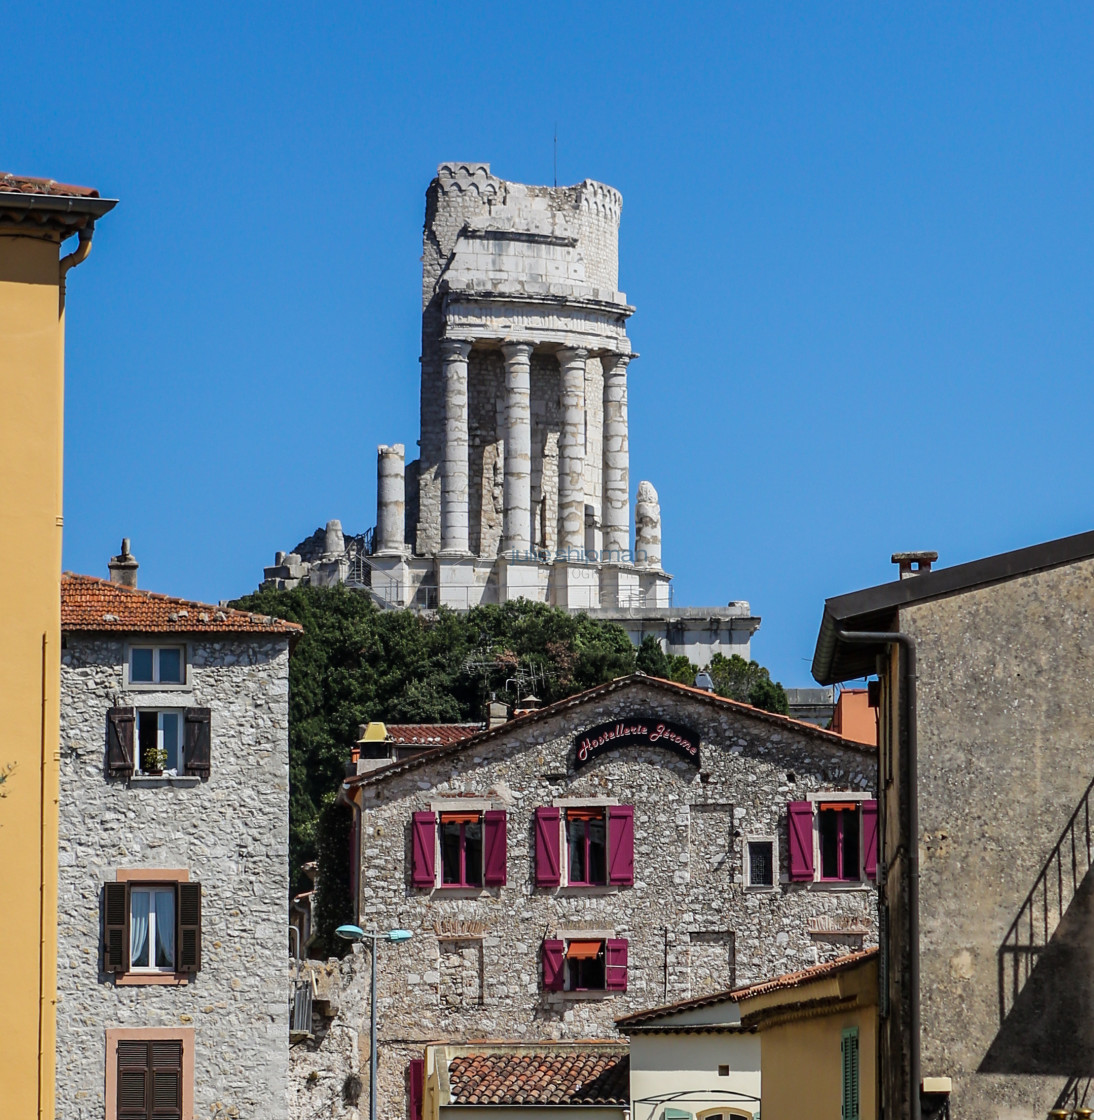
(36, 216)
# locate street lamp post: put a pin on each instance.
(356, 933)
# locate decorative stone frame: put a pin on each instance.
(114, 1035)
(151, 875)
(746, 865)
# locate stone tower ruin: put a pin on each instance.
(522, 486)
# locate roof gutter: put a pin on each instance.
(910, 840)
(57, 204)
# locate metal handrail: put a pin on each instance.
(1044, 907)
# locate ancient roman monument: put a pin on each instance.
(522, 487)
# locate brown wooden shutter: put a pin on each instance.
(134, 1079)
(119, 741)
(116, 927)
(197, 747)
(165, 1096)
(189, 928)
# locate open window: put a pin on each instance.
(832, 839)
(585, 965)
(584, 845)
(454, 849)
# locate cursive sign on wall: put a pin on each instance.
(636, 731)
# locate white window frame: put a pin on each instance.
(746, 863)
(158, 712)
(152, 889)
(156, 685)
(838, 884)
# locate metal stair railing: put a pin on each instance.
(1045, 905)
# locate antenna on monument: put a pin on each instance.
(556, 153)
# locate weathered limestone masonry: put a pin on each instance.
(522, 488)
(475, 965)
(227, 831)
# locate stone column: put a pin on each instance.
(571, 451)
(647, 528)
(454, 501)
(616, 516)
(390, 499)
(518, 447)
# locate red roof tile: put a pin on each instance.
(569, 1076)
(91, 604)
(430, 734)
(26, 184)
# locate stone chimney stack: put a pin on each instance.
(914, 563)
(123, 567)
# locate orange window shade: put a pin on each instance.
(595, 814)
(459, 818)
(839, 804)
(584, 950)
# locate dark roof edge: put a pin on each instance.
(57, 203)
(843, 612)
(747, 710)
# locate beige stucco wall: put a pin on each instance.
(688, 1063)
(31, 454)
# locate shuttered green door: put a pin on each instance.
(849, 1060)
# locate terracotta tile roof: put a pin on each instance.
(596, 693)
(762, 987)
(26, 184)
(600, 1076)
(430, 734)
(93, 605)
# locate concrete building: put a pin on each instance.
(173, 991)
(642, 841)
(36, 217)
(985, 768)
(522, 488)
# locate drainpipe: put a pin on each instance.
(911, 775)
(77, 256)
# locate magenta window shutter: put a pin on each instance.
(423, 850)
(869, 839)
(493, 848)
(548, 825)
(799, 818)
(415, 1078)
(621, 844)
(554, 957)
(615, 965)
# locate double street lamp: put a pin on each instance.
(356, 933)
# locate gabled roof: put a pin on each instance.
(93, 605)
(563, 1075)
(875, 607)
(650, 1016)
(430, 734)
(59, 207)
(620, 684)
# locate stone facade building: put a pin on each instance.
(522, 488)
(985, 778)
(638, 843)
(173, 991)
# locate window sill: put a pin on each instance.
(585, 995)
(591, 890)
(157, 686)
(453, 891)
(145, 979)
(158, 780)
(841, 886)
(761, 888)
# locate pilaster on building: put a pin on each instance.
(522, 488)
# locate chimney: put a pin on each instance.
(123, 568)
(914, 563)
(496, 713)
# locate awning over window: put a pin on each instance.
(460, 818)
(595, 813)
(839, 804)
(584, 950)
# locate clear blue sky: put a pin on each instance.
(859, 238)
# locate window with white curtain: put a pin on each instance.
(152, 929)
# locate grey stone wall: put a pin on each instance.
(473, 969)
(1006, 723)
(230, 832)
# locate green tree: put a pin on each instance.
(655, 662)
(747, 681)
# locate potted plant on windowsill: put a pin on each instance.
(153, 761)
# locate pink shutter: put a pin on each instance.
(869, 839)
(415, 1078)
(493, 848)
(621, 844)
(615, 965)
(548, 836)
(799, 819)
(554, 963)
(423, 850)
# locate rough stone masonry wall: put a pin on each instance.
(472, 969)
(230, 832)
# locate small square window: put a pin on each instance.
(157, 665)
(760, 863)
(585, 966)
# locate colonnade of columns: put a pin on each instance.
(517, 524)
